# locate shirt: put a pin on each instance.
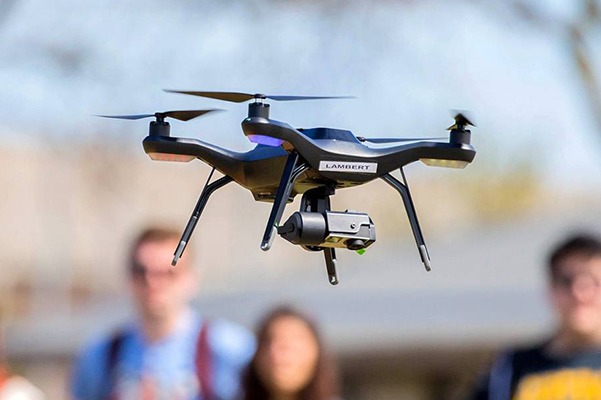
(164, 369)
(535, 374)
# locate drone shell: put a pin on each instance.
(259, 170)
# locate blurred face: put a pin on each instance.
(159, 289)
(576, 296)
(289, 357)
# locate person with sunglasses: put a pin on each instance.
(167, 351)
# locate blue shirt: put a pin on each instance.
(164, 369)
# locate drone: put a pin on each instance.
(314, 162)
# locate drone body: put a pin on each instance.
(313, 162)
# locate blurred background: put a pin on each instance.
(77, 188)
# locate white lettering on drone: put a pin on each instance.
(346, 166)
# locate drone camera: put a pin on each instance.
(349, 229)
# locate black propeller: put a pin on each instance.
(238, 97)
(182, 115)
(461, 121)
(396, 140)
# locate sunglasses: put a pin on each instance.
(581, 281)
(140, 272)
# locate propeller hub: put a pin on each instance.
(159, 128)
(258, 109)
(460, 136)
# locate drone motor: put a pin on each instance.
(459, 133)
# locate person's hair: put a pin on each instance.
(583, 244)
(323, 385)
(152, 234)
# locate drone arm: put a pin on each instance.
(289, 176)
(225, 161)
(403, 190)
(290, 137)
(200, 205)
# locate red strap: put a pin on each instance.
(3, 376)
(203, 363)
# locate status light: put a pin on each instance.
(265, 140)
(171, 157)
(435, 162)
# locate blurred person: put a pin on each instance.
(167, 351)
(568, 364)
(15, 387)
(290, 362)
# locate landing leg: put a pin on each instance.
(200, 205)
(403, 190)
(289, 176)
(331, 262)
(318, 200)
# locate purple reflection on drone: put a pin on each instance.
(265, 140)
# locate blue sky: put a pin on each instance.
(408, 63)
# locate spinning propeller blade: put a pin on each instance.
(182, 115)
(238, 97)
(139, 116)
(293, 98)
(461, 121)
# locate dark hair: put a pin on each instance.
(155, 234)
(322, 386)
(583, 244)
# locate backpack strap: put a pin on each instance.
(501, 376)
(204, 370)
(203, 362)
(4, 375)
(114, 348)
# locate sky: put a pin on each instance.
(408, 63)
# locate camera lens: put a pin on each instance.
(355, 244)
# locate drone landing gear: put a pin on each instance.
(318, 201)
(314, 201)
(207, 191)
(403, 189)
(316, 228)
(291, 173)
(331, 263)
